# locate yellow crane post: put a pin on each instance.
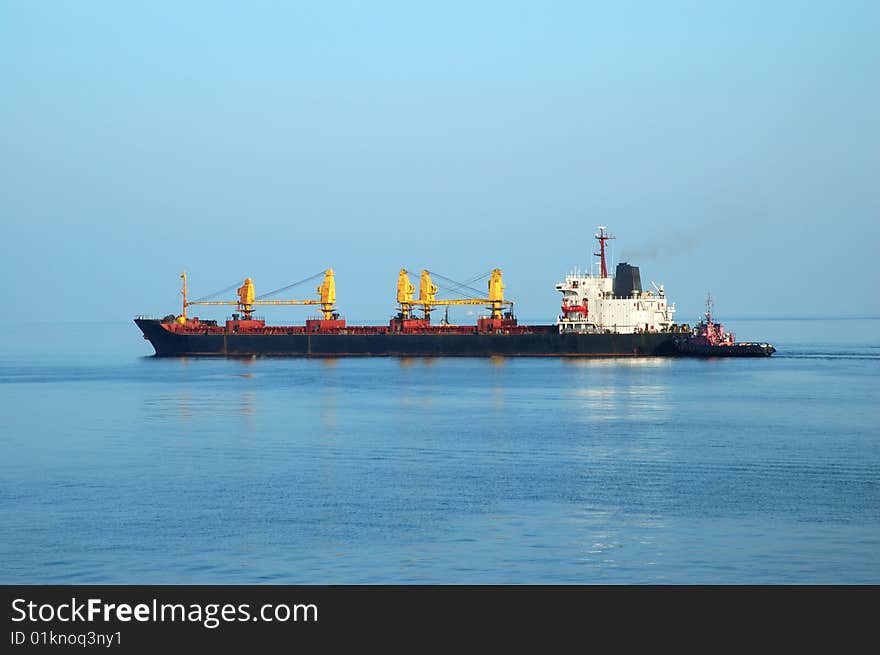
(405, 290)
(327, 292)
(427, 293)
(496, 292)
(246, 297)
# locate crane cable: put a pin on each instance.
(262, 296)
(217, 293)
(464, 289)
(458, 286)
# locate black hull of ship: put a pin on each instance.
(545, 341)
(689, 349)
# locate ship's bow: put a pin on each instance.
(155, 332)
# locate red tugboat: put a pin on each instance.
(709, 339)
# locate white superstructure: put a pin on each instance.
(590, 305)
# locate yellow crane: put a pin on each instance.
(428, 295)
(405, 290)
(247, 298)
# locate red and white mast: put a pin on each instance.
(602, 237)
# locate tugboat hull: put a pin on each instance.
(687, 348)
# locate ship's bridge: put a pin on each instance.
(595, 304)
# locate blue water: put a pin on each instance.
(116, 467)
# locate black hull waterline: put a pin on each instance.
(542, 343)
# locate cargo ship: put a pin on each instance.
(601, 315)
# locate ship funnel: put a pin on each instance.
(627, 280)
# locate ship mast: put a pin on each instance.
(183, 293)
(602, 237)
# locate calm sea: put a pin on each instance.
(116, 467)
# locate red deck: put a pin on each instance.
(319, 326)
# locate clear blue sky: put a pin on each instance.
(731, 147)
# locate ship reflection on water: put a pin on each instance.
(618, 362)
